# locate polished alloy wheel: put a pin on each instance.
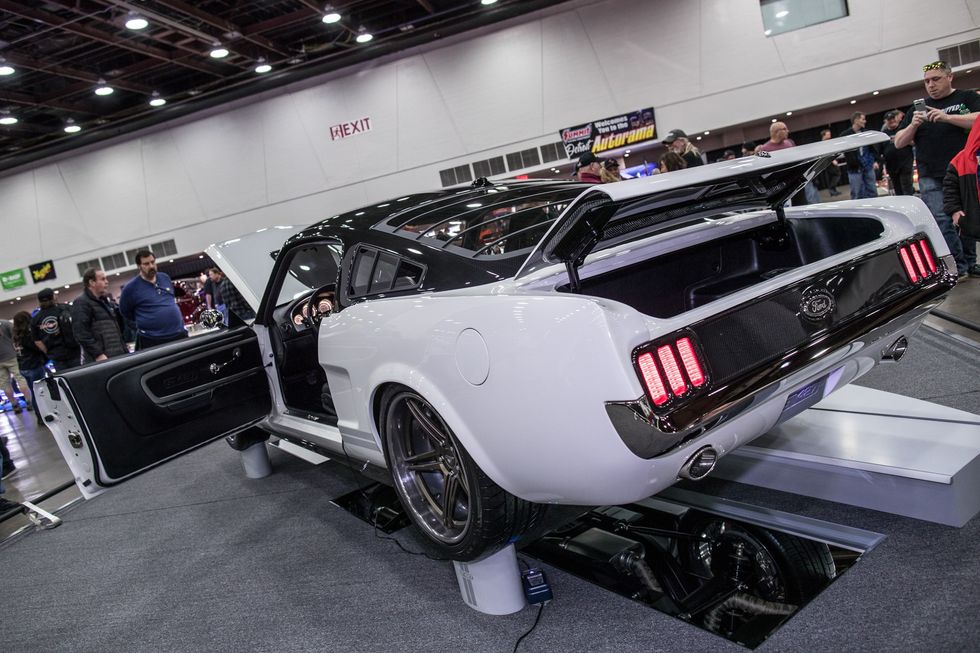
(427, 466)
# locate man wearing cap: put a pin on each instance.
(898, 162)
(939, 133)
(588, 168)
(50, 328)
(678, 142)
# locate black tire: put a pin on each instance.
(784, 569)
(460, 513)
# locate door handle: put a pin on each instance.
(217, 367)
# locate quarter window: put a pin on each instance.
(377, 271)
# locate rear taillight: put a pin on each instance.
(671, 369)
(917, 259)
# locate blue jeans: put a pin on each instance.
(862, 184)
(969, 250)
(931, 192)
(31, 376)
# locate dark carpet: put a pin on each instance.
(195, 557)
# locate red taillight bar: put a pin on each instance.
(690, 361)
(674, 377)
(651, 377)
(907, 262)
(924, 246)
(918, 260)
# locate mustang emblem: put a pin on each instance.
(817, 303)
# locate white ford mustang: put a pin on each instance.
(496, 349)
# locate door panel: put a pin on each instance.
(139, 410)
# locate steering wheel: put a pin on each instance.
(320, 304)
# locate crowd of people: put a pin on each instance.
(938, 137)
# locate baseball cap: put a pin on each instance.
(673, 135)
(892, 114)
(608, 164)
(587, 159)
(46, 294)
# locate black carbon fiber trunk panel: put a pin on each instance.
(743, 338)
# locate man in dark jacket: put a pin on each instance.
(898, 162)
(861, 163)
(49, 330)
(960, 200)
(96, 320)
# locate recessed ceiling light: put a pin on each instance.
(156, 100)
(5, 68)
(135, 22)
(700, 137)
(218, 52)
(7, 119)
(103, 88)
(331, 17)
(774, 119)
(706, 133)
(789, 113)
(71, 127)
(875, 92)
(854, 101)
(364, 37)
(488, 2)
(262, 66)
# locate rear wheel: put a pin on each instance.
(461, 513)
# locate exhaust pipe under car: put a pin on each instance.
(699, 465)
(894, 352)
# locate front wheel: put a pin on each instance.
(462, 514)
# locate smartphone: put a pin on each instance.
(920, 105)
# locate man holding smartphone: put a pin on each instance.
(938, 125)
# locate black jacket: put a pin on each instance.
(853, 157)
(98, 327)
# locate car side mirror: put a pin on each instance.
(211, 319)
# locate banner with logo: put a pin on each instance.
(43, 271)
(609, 133)
(12, 279)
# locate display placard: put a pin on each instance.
(12, 279)
(609, 133)
(43, 271)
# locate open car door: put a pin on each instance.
(122, 416)
(115, 419)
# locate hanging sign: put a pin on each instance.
(345, 129)
(43, 271)
(609, 133)
(12, 279)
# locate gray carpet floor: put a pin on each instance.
(195, 557)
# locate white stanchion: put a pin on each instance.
(492, 585)
(255, 460)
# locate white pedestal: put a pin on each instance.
(255, 460)
(492, 585)
(871, 449)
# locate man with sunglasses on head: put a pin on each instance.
(148, 299)
(939, 132)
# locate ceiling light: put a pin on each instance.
(854, 101)
(774, 120)
(135, 22)
(218, 52)
(364, 37)
(706, 133)
(700, 137)
(71, 127)
(789, 113)
(7, 119)
(875, 92)
(331, 17)
(262, 66)
(6, 68)
(103, 88)
(488, 2)
(156, 100)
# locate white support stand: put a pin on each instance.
(492, 585)
(871, 449)
(255, 460)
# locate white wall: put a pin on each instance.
(702, 64)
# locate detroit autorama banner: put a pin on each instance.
(609, 133)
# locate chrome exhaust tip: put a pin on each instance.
(894, 352)
(699, 465)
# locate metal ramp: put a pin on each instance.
(871, 449)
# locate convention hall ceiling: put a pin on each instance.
(61, 51)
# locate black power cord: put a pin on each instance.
(530, 630)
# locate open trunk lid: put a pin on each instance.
(614, 212)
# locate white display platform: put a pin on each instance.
(871, 449)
